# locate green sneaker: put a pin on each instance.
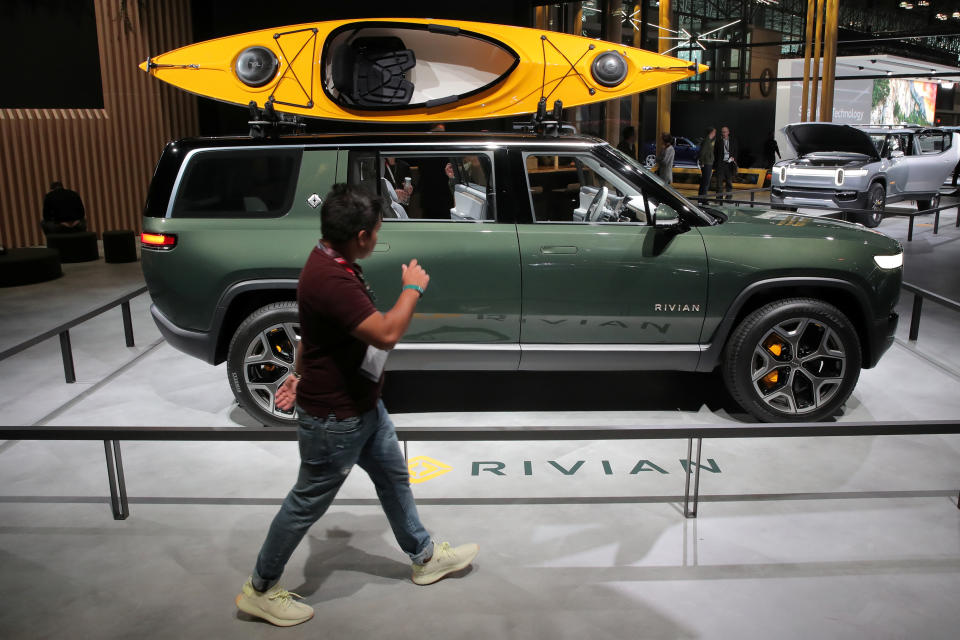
(275, 605)
(445, 560)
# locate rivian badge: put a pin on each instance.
(314, 200)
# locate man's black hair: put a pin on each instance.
(347, 211)
(709, 129)
(56, 184)
(627, 132)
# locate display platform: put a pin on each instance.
(577, 538)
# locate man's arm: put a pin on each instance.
(384, 330)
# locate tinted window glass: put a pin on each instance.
(582, 189)
(427, 186)
(238, 184)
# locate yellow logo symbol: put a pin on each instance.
(423, 468)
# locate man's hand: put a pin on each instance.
(448, 169)
(287, 393)
(413, 273)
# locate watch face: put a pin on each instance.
(766, 82)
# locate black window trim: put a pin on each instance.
(188, 160)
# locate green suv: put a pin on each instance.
(545, 254)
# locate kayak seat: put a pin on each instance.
(371, 72)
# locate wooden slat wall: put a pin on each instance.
(106, 155)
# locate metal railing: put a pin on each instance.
(111, 437)
(63, 330)
(918, 296)
(844, 213)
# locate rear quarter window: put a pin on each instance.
(238, 184)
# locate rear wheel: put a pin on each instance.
(261, 356)
(876, 201)
(794, 360)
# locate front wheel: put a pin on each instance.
(876, 201)
(262, 354)
(794, 360)
(650, 161)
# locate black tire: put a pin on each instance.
(926, 205)
(792, 382)
(876, 201)
(261, 356)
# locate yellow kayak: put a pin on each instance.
(413, 70)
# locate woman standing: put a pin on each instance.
(665, 161)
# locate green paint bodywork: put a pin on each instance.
(527, 283)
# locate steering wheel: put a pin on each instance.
(596, 207)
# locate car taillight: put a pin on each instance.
(158, 241)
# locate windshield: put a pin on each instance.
(689, 206)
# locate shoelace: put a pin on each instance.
(285, 597)
(444, 550)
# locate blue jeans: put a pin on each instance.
(328, 450)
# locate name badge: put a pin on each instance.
(374, 360)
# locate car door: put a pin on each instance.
(446, 219)
(935, 160)
(896, 164)
(603, 288)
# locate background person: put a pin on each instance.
(628, 142)
(336, 384)
(63, 211)
(665, 159)
(725, 162)
(705, 160)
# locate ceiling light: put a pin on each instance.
(906, 5)
(956, 14)
(923, 3)
(946, 84)
(941, 16)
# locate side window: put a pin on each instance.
(933, 142)
(238, 184)
(582, 189)
(427, 186)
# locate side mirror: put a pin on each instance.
(896, 153)
(665, 217)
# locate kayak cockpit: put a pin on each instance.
(399, 66)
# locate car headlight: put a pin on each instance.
(783, 175)
(855, 173)
(889, 262)
(838, 179)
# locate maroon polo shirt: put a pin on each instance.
(333, 302)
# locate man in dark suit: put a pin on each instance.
(62, 211)
(726, 151)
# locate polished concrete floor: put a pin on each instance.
(796, 538)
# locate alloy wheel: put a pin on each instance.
(798, 366)
(877, 205)
(267, 361)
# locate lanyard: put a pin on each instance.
(336, 257)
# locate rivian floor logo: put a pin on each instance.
(423, 468)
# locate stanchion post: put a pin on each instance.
(915, 317)
(910, 229)
(118, 486)
(66, 352)
(693, 466)
(127, 323)
(936, 221)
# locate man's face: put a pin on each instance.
(367, 241)
(725, 132)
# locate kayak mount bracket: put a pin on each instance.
(267, 122)
(544, 123)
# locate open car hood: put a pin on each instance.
(812, 137)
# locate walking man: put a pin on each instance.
(725, 162)
(706, 160)
(336, 384)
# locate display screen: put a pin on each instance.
(903, 101)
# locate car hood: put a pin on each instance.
(812, 137)
(770, 222)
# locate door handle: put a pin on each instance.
(555, 250)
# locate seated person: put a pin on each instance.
(397, 173)
(62, 211)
